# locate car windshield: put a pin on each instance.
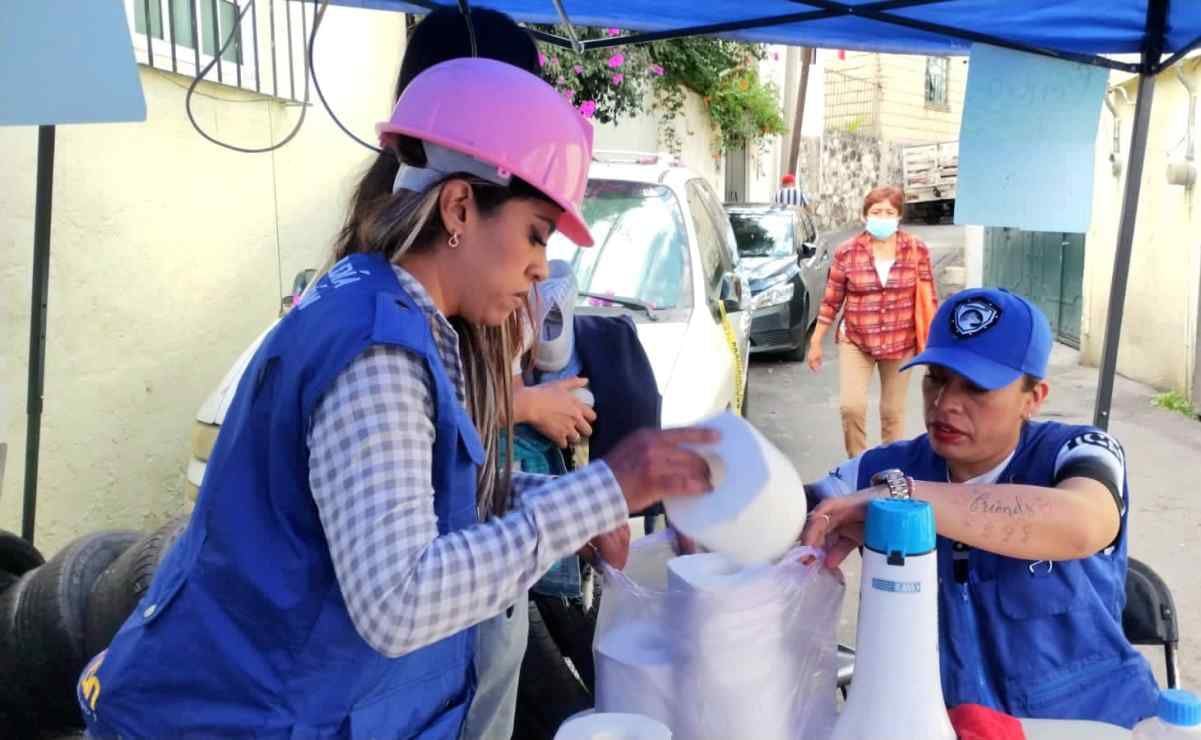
(641, 250)
(763, 234)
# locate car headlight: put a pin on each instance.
(775, 295)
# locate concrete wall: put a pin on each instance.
(1159, 343)
(884, 95)
(849, 166)
(641, 134)
(169, 255)
(764, 161)
(905, 117)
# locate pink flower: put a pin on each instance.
(616, 61)
(588, 108)
(613, 31)
(561, 81)
(618, 78)
(656, 70)
(579, 70)
(541, 59)
(568, 95)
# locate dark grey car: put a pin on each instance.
(785, 265)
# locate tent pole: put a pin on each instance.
(37, 324)
(798, 119)
(1121, 265)
(1153, 40)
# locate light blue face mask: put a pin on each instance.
(882, 228)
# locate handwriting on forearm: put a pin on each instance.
(1007, 519)
(1014, 508)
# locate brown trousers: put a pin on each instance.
(854, 376)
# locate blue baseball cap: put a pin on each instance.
(990, 336)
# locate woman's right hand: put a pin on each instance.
(556, 412)
(815, 356)
(651, 465)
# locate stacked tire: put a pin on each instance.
(17, 557)
(57, 615)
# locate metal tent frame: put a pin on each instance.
(1151, 63)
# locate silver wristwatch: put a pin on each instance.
(900, 486)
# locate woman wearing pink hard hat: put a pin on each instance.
(345, 542)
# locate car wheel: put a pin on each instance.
(548, 692)
(123, 583)
(16, 555)
(797, 353)
(49, 624)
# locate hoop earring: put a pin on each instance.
(455, 240)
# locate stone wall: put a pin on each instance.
(846, 166)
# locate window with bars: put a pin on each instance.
(264, 51)
(938, 70)
(213, 29)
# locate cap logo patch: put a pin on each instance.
(973, 317)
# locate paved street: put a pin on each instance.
(799, 412)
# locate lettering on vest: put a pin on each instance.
(1098, 439)
(342, 274)
(89, 685)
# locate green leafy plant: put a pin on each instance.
(1173, 401)
(611, 84)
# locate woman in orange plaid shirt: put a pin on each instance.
(873, 281)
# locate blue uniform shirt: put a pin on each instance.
(1032, 639)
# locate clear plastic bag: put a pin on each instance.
(719, 655)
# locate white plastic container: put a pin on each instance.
(1178, 716)
(612, 726)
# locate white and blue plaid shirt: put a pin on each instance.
(370, 460)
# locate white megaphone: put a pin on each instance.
(896, 693)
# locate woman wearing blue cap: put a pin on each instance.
(1031, 517)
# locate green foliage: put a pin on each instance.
(1173, 401)
(611, 84)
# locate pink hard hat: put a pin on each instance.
(507, 122)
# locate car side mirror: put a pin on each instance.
(734, 294)
(808, 250)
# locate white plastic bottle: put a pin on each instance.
(1178, 716)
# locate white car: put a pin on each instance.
(665, 255)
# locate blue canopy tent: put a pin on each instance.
(1080, 30)
(1159, 32)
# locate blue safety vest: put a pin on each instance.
(244, 631)
(1032, 639)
